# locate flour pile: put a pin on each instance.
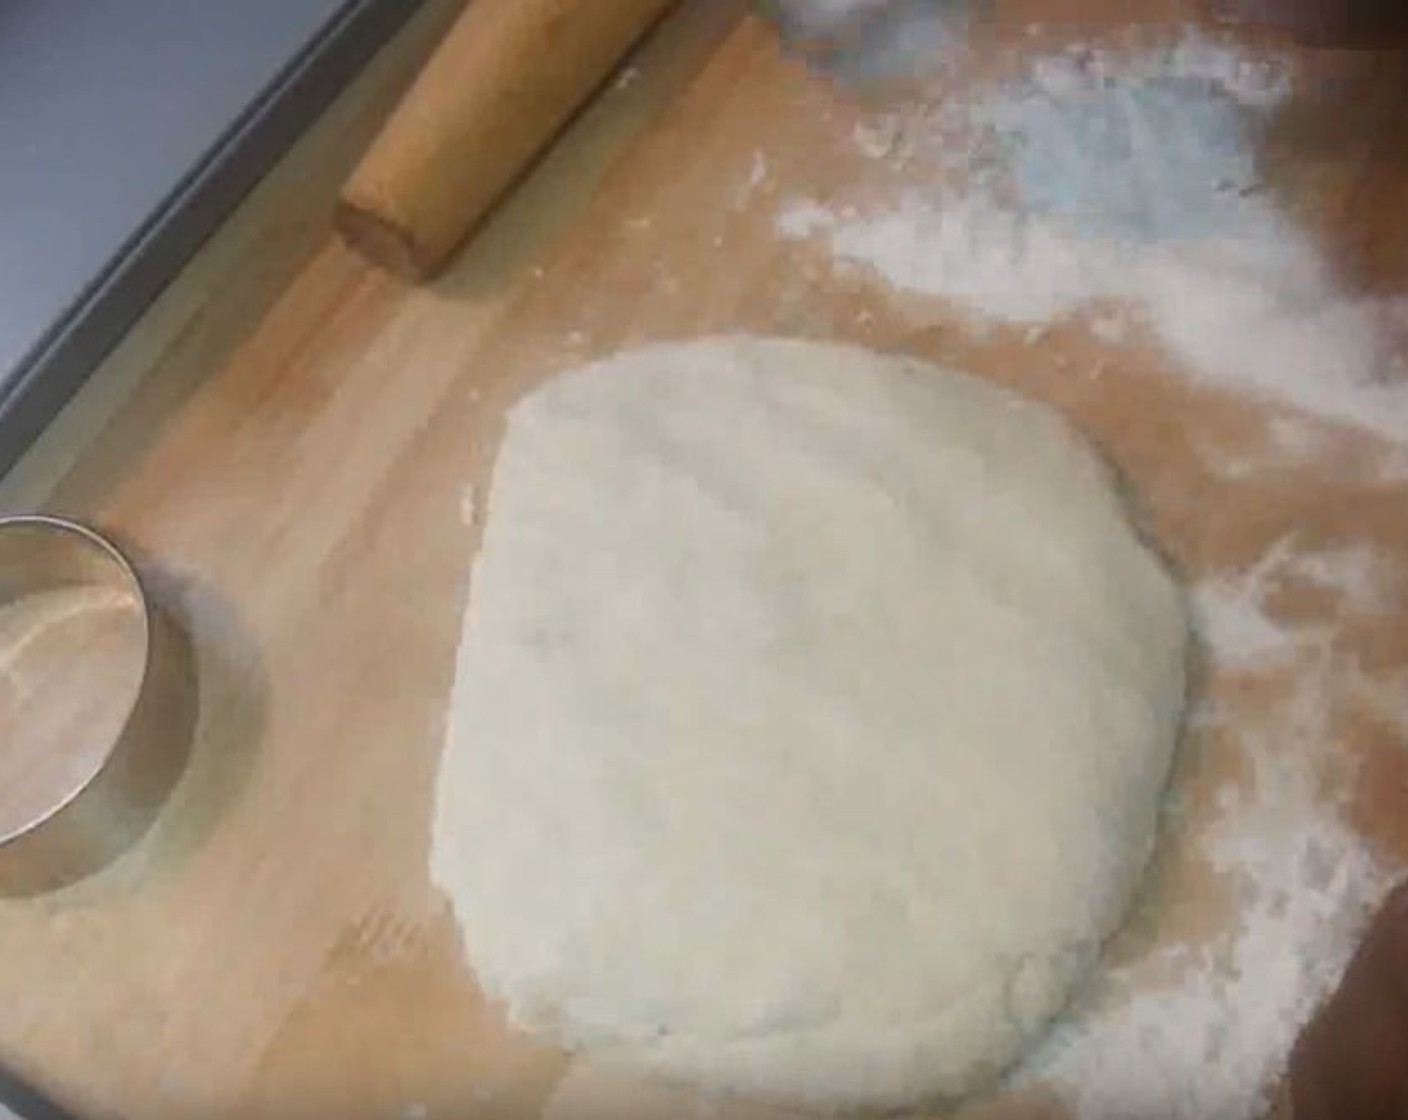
(1101, 178)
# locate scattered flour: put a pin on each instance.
(1212, 1044)
(1100, 178)
(1231, 607)
(1234, 622)
(469, 506)
(755, 180)
(1359, 572)
(1386, 695)
(1110, 329)
(758, 170)
(1204, 1033)
(1296, 439)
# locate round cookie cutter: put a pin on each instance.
(109, 794)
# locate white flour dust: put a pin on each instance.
(1204, 1033)
(1213, 1041)
(1099, 179)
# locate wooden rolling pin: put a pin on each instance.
(506, 78)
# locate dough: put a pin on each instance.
(812, 713)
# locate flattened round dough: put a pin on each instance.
(812, 712)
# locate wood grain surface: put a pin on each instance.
(292, 444)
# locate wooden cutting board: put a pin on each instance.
(292, 443)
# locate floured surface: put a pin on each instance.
(1132, 177)
(812, 714)
(1141, 188)
(1241, 362)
